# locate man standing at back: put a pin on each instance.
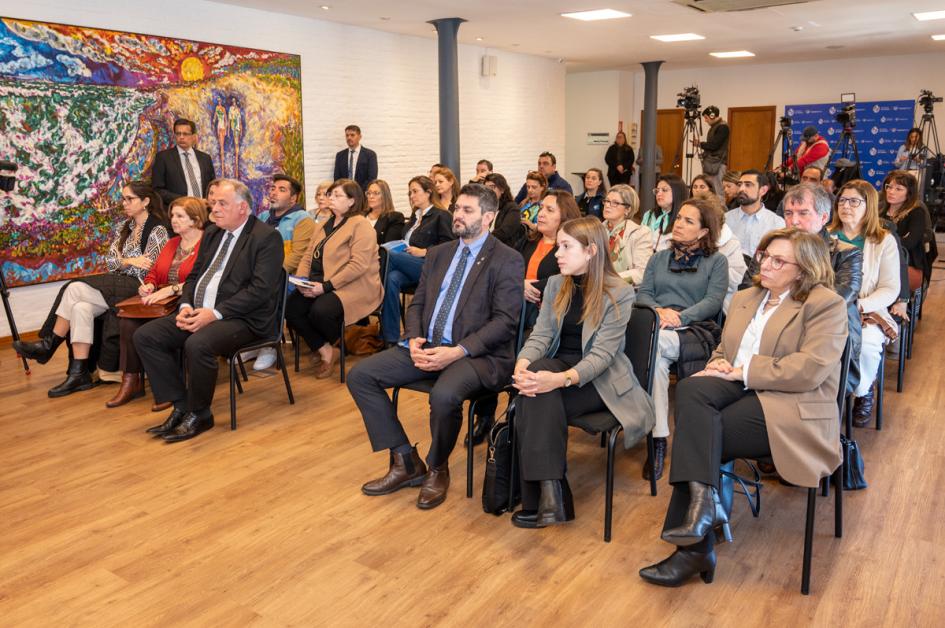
(548, 166)
(356, 162)
(182, 170)
(715, 147)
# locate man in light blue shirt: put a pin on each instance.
(751, 220)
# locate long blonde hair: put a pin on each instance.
(601, 278)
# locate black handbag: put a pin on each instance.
(500, 489)
(854, 478)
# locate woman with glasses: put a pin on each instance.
(135, 245)
(388, 223)
(686, 284)
(900, 203)
(670, 192)
(769, 390)
(535, 187)
(630, 245)
(857, 222)
(591, 201)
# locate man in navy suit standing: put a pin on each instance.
(356, 162)
(182, 170)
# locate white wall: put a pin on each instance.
(383, 82)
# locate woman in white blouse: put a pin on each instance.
(630, 244)
(856, 221)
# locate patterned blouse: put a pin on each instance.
(132, 248)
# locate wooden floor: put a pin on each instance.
(100, 525)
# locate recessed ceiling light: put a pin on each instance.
(478, 38)
(938, 37)
(325, 7)
(677, 37)
(733, 54)
(596, 14)
(929, 15)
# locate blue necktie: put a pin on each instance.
(439, 326)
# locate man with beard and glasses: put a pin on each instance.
(460, 332)
(751, 219)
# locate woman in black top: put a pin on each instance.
(900, 203)
(619, 160)
(507, 226)
(381, 213)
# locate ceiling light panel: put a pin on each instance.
(677, 37)
(596, 14)
(732, 54)
(929, 15)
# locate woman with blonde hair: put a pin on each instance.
(322, 211)
(630, 244)
(381, 213)
(447, 188)
(573, 363)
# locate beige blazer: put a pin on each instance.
(796, 374)
(350, 261)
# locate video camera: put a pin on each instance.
(927, 99)
(690, 100)
(785, 123)
(7, 180)
(847, 116)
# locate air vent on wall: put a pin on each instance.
(724, 6)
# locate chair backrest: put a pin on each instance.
(383, 257)
(520, 332)
(844, 375)
(643, 334)
(280, 309)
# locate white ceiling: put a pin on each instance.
(861, 27)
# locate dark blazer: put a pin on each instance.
(487, 312)
(390, 227)
(508, 226)
(168, 178)
(435, 228)
(546, 268)
(250, 287)
(365, 170)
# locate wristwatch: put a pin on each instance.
(175, 288)
(567, 381)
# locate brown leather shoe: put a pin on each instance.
(433, 489)
(325, 369)
(161, 407)
(405, 470)
(132, 386)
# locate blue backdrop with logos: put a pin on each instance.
(881, 128)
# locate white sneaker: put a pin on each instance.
(265, 359)
(246, 356)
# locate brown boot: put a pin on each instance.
(405, 470)
(132, 386)
(433, 489)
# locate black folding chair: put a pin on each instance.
(642, 339)
(275, 341)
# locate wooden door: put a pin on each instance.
(669, 127)
(752, 134)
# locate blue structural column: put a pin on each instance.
(651, 70)
(446, 29)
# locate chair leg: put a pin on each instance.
(234, 382)
(239, 360)
(239, 383)
(296, 350)
(808, 540)
(651, 455)
(280, 360)
(901, 366)
(880, 388)
(513, 477)
(609, 487)
(848, 416)
(341, 350)
(838, 501)
(470, 418)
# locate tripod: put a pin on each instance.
(784, 139)
(692, 130)
(5, 295)
(847, 142)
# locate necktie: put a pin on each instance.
(191, 177)
(439, 326)
(351, 164)
(211, 271)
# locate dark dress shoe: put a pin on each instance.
(863, 409)
(705, 512)
(42, 350)
(556, 505)
(77, 378)
(679, 567)
(525, 519)
(161, 407)
(192, 425)
(481, 428)
(659, 459)
(169, 425)
(132, 386)
(405, 470)
(434, 487)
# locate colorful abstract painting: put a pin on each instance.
(84, 109)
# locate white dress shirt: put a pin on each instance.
(210, 293)
(751, 340)
(195, 167)
(750, 228)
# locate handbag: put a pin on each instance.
(363, 339)
(711, 164)
(132, 307)
(853, 470)
(500, 489)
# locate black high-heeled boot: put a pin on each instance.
(42, 350)
(682, 565)
(705, 512)
(77, 378)
(556, 505)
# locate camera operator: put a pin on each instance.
(715, 146)
(812, 151)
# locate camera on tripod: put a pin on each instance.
(7, 180)
(927, 99)
(785, 123)
(847, 115)
(690, 100)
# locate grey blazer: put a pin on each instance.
(604, 362)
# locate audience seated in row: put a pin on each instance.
(629, 244)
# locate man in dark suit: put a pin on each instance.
(356, 162)
(182, 170)
(228, 300)
(460, 331)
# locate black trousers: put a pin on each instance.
(370, 378)
(159, 343)
(318, 320)
(716, 421)
(541, 428)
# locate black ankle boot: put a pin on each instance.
(705, 512)
(659, 458)
(682, 565)
(863, 409)
(556, 505)
(78, 378)
(42, 350)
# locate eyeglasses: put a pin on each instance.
(610, 203)
(661, 190)
(850, 201)
(777, 263)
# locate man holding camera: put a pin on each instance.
(813, 151)
(715, 146)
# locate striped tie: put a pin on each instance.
(191, 177)
(351, 164)
(211, 271)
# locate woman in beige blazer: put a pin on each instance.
(770, 389)
(341, 264)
